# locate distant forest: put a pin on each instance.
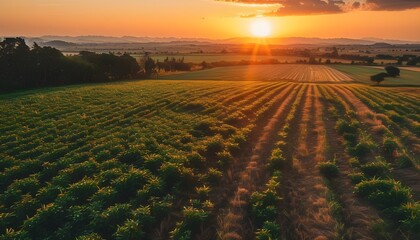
(24, 67)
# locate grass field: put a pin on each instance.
(288, 72)
(211, 159)
(363, 73)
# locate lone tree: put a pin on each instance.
(392, 71)
(378, 78)
(149, 65)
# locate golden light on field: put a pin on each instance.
(261, 28)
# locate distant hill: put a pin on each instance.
(304, 41)
(275, 41)
(382, 45)
(107, 39)
(58, 44)
(391, 41)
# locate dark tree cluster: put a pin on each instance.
(385, 56)
(24, 67)
(391, 71)
(410, 60)
(207, 65)
(173, 65)
(367, 59)
(378, 78)
(109, 67)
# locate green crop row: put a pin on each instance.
(373, 179)
(265, 203)
(123, 162)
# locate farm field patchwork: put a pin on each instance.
(209, 58)
(199, 58)
(212, 159)
(289, 72)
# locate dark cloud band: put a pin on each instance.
(392, 5)
(313, 7)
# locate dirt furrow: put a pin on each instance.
(306, 206)
(233, 220)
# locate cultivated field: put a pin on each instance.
(233, 57)
(288, 72)
(209, 58)
(362, 74)
(212, 159)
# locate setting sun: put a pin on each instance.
(261, 28)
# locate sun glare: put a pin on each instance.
(260, 28)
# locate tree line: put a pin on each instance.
(24, 67)
(172, 65)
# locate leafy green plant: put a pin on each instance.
(214, 145)
(389, 147)
(107, 222)
(161, 207)
(180, 233)
(213, 176)
(264, 204)
(362, 149)
(224, 159)
(195, 160)
(354, 162)
(384, 194)
(132, 156)
(128, 184)
(193, 217)
(343, 126)
(276, 160)
(90, 236)
(379, 168)
(153, 162)
(410, 217)
(357, 177)
(269, 231)
(328, 169)
(130, 230)
(203, 191)
(80, 192)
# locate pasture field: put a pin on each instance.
(362, 74)
(280, 72)
(211, 159)
(415, 69)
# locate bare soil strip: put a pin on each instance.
(233, 220)
(306, 206)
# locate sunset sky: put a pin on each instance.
(211, 19)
